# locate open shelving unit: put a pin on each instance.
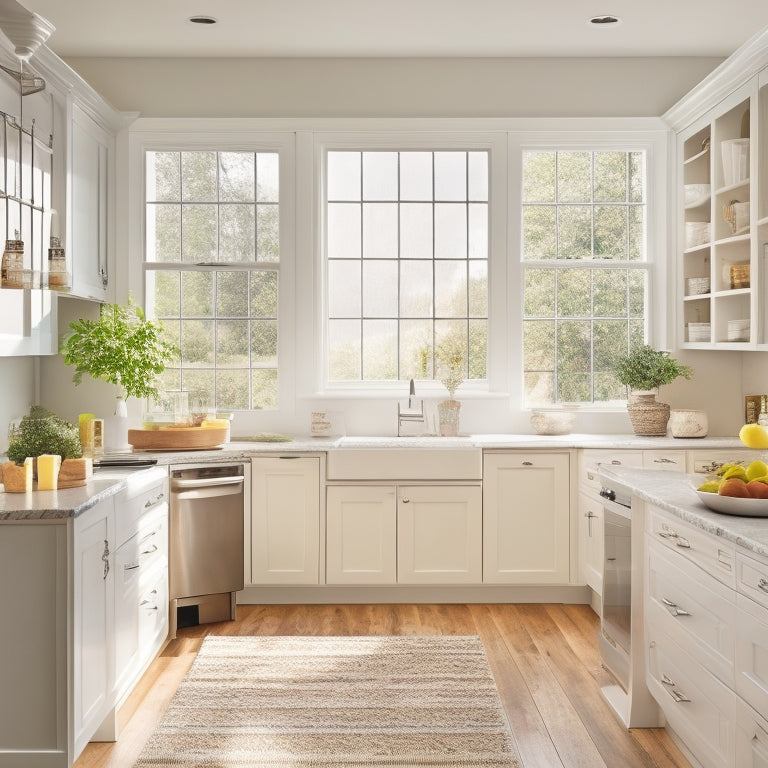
(720, 221)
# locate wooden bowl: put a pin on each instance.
(177, 438)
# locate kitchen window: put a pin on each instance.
(212, 270)
(585, 271)
(406, 256)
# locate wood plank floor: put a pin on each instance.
(544, 659)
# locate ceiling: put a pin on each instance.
(399, 28)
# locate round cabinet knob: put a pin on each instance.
(406, 500)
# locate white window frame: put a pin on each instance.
(655, 144)
(427, 140)
(190, 135)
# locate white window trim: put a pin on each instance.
(656, 146)
(300, 319)
(496, 144)
(140, 142)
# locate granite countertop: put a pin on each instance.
(67, 502)
(674, 492)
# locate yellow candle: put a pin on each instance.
(48, 466)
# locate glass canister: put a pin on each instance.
(12, 269)
(58, 279)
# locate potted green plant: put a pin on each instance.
(42, 432)
(643, 371)
(123, 348)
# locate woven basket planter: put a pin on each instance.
(649, 417)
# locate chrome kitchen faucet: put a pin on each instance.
(411, 421)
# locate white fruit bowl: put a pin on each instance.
(734, 505)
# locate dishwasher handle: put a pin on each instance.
(207, 482)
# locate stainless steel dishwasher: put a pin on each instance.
(207, 513)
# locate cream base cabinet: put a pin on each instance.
(526, 518)
(285, 520)
(439, 538)
(361, 534)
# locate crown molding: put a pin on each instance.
(737, 69)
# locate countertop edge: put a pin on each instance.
(673, 492)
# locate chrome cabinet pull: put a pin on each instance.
(527, 463)
(131, 567)
(667, 680)
(674, 608)
(763, 584)
(615, 461)
(678, 696)
(683, 543)
(150, 551)
(590, 517)
(105, 559)
(664, 461)
(667, 534)
(151, 502)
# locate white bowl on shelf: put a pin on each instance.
(696, 194)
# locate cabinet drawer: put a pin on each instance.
(699, 708)
(752, 653)
(693, 608)
(592, 459)
(752, 578)
(715, 556)
(751, 739)
(152, 540)
(145, 490)
(153, 614)
(709, 461)
(672, 461)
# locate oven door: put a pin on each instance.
(616, 612)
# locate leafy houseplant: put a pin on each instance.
(644, 369)
(122, 348)
(42, 432)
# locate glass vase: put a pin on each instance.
(448, 415)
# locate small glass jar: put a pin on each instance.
(12, 269)
(58, 280)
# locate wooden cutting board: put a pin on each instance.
(178, 438)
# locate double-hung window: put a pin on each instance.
(212, 270)
(585, 271)
(406, 245)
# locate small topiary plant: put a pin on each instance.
(648, 368)
(43, 432)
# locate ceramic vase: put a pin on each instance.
(116, 429)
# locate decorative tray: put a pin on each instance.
(177, 438)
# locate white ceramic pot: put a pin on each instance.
(684, 423)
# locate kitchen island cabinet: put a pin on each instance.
(59, 625)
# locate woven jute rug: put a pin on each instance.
(335, 702)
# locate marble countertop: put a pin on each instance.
(674, 492)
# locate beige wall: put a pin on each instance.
(585, 87)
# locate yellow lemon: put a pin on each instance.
(756, 470)
(710, 486)
(754, 436)
(735, 471)
(723, 468)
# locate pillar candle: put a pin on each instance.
(48, 466)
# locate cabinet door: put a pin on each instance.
(751, 740)
(439, 538)
(591, 551)
(752, 653)
(89, 172)
(526, 518)
(285, 520)
(361, 535)
(94, 617)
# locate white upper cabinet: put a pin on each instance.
(722, 205)
(89, 179)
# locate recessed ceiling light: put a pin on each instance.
(201, 20)
(605, 20)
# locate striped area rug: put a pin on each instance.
(335, 702)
